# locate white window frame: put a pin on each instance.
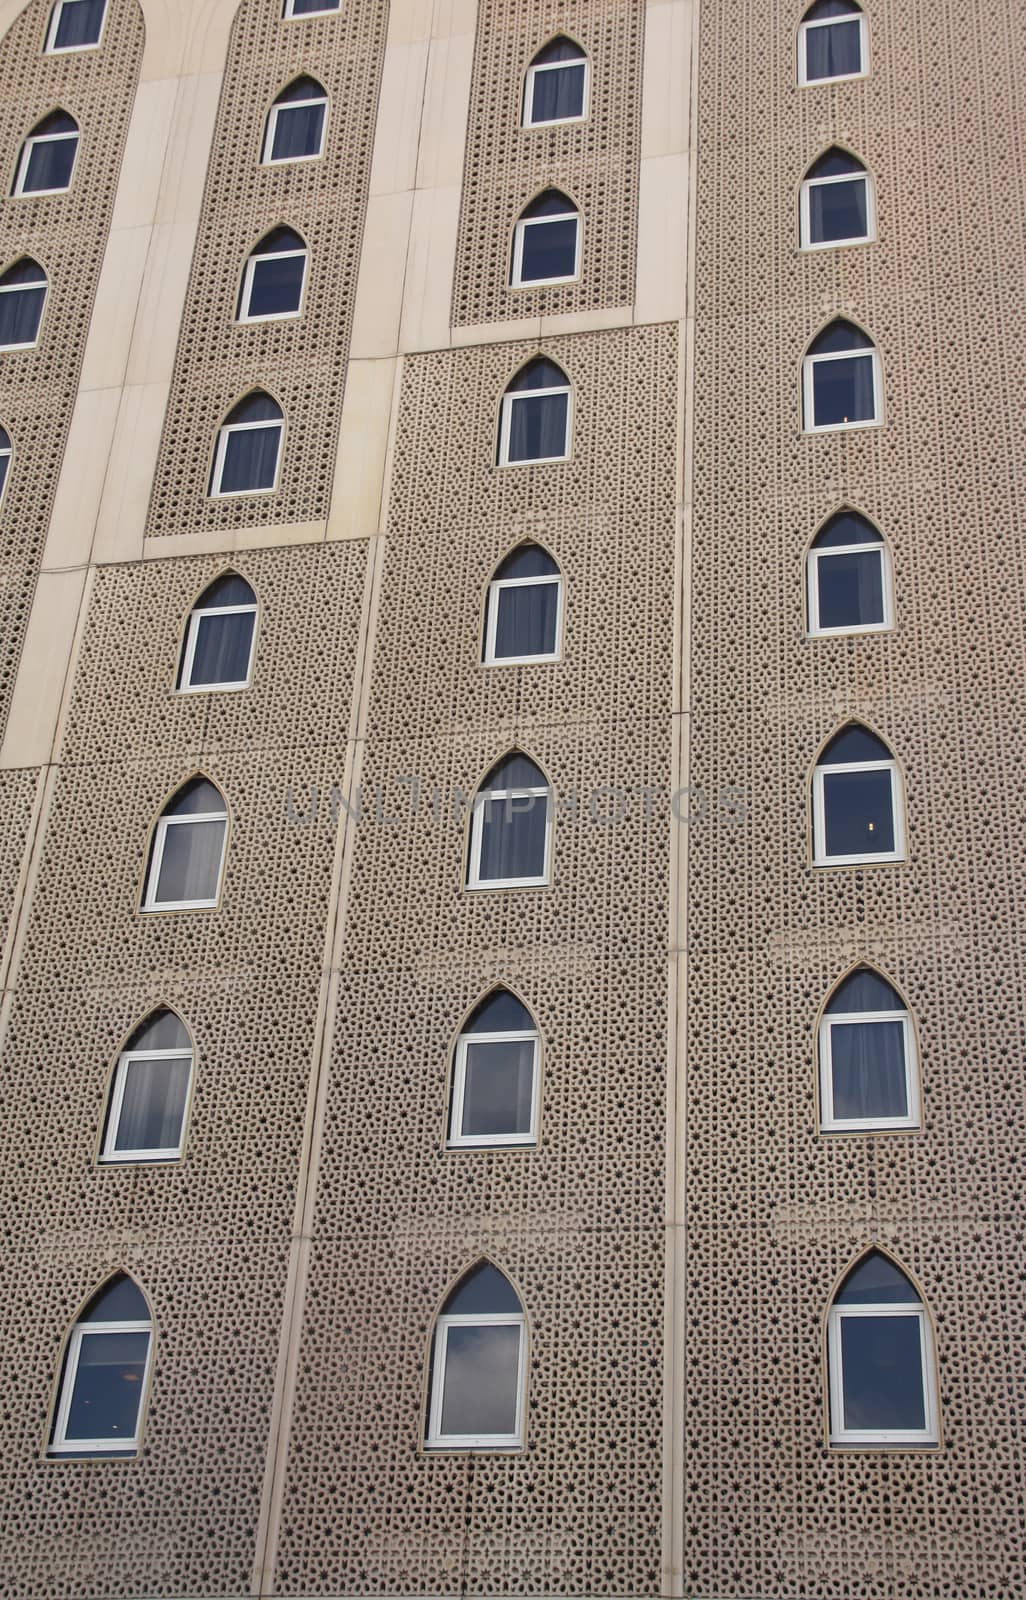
(216, 492)
(289, 15)
(60, 1444)
(196, 616)
(829, 1123)
(519, 281)
(150, 902)
(28, 288)
(248, 275)
(808, 391)
(819, 855)
(52, 49)
(508, 401)
(805, 211)
(492, 619)
(110, 1155)
(7, 451)
(886, 587)
(854, 15)
(496, 797)
(436, 1440)
(839, 1434)
(267, 160)
(19, 191)
(527, 120)
(459, 1141)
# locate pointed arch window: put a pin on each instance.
(149, 1093)
(883, 1387)
(296, 123)
(850, 587)
(495, 1077)
(547, 242)
(841, 380)
(22, 294)
(5, 460)
(833, 43)
(47, 156)
(523, 618)
(248, 450)
(536, 415)
(218, 648)
(272, 283)
(297, 9)
(836, 202)
(511, 827)
(858, 812)
(75, 25)
(478, 1366)
(867, 1057)
(104, 1376)
(556, 89)
(187, 853)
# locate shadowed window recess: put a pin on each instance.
(858, 809)
(547, 241)
(536, 415)
(296, 123)
(150, 1093)
(511, 827)
(832, 43)
(556, 87)
(273, 278)
(217, 652)
(248, 450)
(104, 1375)
(850, 586)
(523, 616)
(879, 1351)
(840, 380)
(187, 851)
(495, 1077)
(867, 1057)
(75, 25)
(296, 9)
(22, 295)
(836, 202)
(477, 1369)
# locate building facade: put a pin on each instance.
(513, 615)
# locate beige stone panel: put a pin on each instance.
(495, 333)
(185, 166)
(155, 333)
(662, 228)
(213, 541)
(443, 132)
(117, 293)
(35, 704)
(79, 490)
(429, 268)
(398, 124)
(410, 21)
(356, 501)
(126, 494)
(588, 321)
(379, 290)
(665, 106)
(141, 170)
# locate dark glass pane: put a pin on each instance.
(549, 250)
(513, 837)
(859, 813)
(526, 561)
(833, 52)
(301, 89)
(499, 1012)
(254, 407)
(229, 590)
(20, 312)
(847, 527)
(537, 430)
(842, 391)
(276, 286)
(515, 771)
(854, 743)
(526, 622)
(538, 374)
(302, 8)
(838, 211)
(118, 1301)
(876, 1281)
(190, 863)
(865, 990)
(833, 164)
(297, 132)
(250, 460)
(882, 1368)
(839, 335)
(222, 649)
(550, 203)
(164, 1030)
(497, 1091)
(49, 165)
(24, 271)
(80, 24)
(484, 1290)
(558, 94)
(559, 49)
(868, 1070)
(5, 444)
(479, 1393)
(278, 239)
(850, 589)
(153, 1104)
(108, 1386)
(5, 461)
(193, 798)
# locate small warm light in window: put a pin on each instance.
(133, 1377)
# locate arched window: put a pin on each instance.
(149, 1093)
(879, 1350)
(104, 1376)
(297, 9)
(296, 122)
(22, 293)
(867, 1057)
(836, 202)
(5, 460)
(47, 156)
(858, 811)
(849, 578)
(218, 648)
(832, 43)
(75, 25)
(556, 89)
(272, 283)
(547, 241)
(523, 619)
(511, 827)
(187, 852)
(536, 415)
(248, 447)
(495, 1076)
(478, 1366)
(840, 380)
